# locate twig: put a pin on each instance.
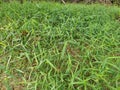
(63, 1)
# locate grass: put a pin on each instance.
(50, 46)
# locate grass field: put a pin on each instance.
(50, 46)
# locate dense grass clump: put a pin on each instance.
(49, 46)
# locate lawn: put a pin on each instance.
(51, 46)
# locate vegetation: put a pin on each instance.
(51, 46)
(73, 1)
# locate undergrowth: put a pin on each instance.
(50, 46)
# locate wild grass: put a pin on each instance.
(50, 46)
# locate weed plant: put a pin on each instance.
(50, 46)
